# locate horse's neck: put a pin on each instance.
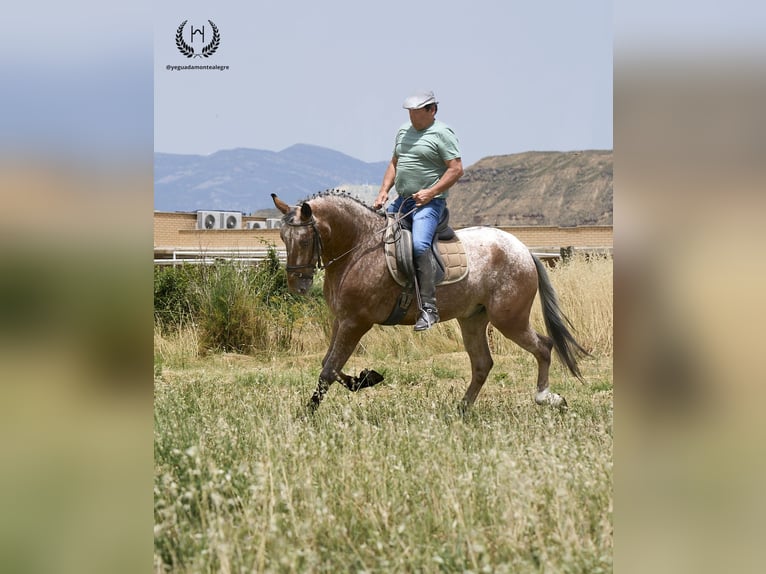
(348, 227)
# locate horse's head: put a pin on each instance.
(303, 243)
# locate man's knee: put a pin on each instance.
(420, 247)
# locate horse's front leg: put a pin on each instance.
(346, 336)
(333, 333)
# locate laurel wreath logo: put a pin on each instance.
(210, 49)
(207, 50)
(183, 47)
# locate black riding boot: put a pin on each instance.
(427, 270)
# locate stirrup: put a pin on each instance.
(429, 316)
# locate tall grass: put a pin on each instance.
(389, 479)
(585, 289)
(248, 310)
(232, 307)
(385, 480)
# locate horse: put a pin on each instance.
(338, 232)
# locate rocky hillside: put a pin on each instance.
(535, 188)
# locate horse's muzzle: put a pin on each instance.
(300, 283)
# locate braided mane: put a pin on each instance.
(340, 193)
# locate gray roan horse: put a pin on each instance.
(345, 236)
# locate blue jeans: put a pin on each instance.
(423, 220)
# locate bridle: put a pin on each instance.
(316, 252)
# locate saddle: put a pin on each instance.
(447, 249)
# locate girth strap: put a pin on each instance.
(403, 303)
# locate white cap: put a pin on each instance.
(419, 99)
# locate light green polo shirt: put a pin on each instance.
(421, 156)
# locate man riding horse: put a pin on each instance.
(426, 162)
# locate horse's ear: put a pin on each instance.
(305, 211)
(281, 205)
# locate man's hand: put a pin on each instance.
(423, 196)
(447, 180)
(380, 201)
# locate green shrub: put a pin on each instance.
(237, 307)
(227, 315)
(174, 300)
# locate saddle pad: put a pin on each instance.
(451, 253)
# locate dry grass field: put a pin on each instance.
(392, 478)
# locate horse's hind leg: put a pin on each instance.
(474, 331)
(540, 346)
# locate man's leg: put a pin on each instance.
(424, 222)
(395, 205)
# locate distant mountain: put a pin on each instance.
(536, 188)
(531, 188)
(243, 179)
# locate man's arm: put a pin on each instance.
(448, 179)
(388, 183)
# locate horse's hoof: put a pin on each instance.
(367, 378)
(548, 398)
(312, 405)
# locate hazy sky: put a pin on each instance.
(511, 76)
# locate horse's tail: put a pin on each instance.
(556, 323)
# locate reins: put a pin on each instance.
(398, 218)
(317, 246)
